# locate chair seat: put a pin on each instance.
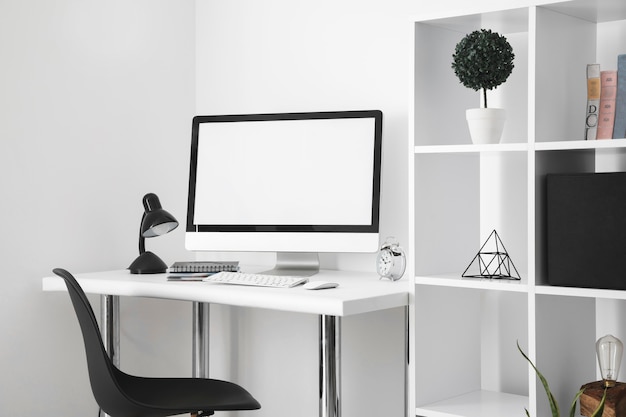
(183, 395)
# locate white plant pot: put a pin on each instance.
(485, 125)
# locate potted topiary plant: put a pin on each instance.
(483, 60)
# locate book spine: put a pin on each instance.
(593, 101)
(619, 128)
(608, 93)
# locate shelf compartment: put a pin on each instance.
(464, 337)
(573, 34)
(476, 404)
(441, 100)
(575, 157)
(569, 321)
(460, 198)
(565, 350)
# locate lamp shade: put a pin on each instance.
(154, 222)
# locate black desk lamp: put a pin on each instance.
(154, 222)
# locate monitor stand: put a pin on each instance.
(302, 264)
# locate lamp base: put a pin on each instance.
(147, 263)
(615, 403)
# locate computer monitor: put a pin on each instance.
(293, 183)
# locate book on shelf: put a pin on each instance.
(206, 267)
(619, 128)
(593, 101)
(606, 114)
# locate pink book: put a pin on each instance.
(606, 113)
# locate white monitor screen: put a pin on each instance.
(293, 173)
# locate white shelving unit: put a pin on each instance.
(464, 359)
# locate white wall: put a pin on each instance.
(96, 100)
(95, 106)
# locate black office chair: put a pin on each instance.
(123, 395)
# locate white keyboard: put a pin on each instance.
(256, 280)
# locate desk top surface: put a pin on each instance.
(358, 292)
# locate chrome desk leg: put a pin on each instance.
(330, 366)
(407, 349)
(200, 340)
(110, 328)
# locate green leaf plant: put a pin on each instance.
(483, 60)
(554, 406)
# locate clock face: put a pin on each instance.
(385, 262)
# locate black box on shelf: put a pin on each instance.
(586, 230)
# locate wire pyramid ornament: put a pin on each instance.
(492, 261)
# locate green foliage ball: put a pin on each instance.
(483, 60)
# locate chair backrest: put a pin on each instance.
(103, 375)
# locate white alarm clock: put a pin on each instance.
(391, 260)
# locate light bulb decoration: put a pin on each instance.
(609, 350)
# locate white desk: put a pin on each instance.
(357, 293)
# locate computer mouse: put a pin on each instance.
(319, 285)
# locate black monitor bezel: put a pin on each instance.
(376, 177)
